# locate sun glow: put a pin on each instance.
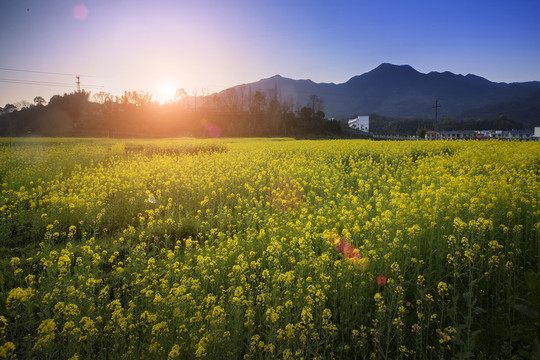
(166, 91)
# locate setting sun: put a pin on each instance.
(166, 91)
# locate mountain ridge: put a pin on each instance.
(403, 92)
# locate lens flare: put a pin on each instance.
(80, 12)
(214, 131)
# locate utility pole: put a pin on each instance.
(436, 107)
(78, 83)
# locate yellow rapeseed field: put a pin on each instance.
(252, 249)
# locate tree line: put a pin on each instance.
(230, 113)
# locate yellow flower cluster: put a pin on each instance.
(264, 249)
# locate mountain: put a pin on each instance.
(400, 91)
(525, 109)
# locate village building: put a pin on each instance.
(360, 123)
(514, 135)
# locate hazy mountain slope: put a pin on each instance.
(526, 110)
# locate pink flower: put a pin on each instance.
(381, 280)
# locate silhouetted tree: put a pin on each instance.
(305, 114)
(256, 107)
(258, 103)
(8, 108)
(66, 113)
(39, 101)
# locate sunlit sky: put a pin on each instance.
(206, 46)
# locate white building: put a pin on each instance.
(536, 135)
(360, 123)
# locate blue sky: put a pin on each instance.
(205, 46)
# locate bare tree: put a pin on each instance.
(23, 104)
(180, 94)
(137, 98)
(230, 99)
(315, 103)
(102, 97)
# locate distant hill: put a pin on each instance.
(400, 91)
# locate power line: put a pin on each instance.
(46, 83)
(29, 82)
(45, 72)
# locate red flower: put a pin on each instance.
(350, 251)
(381, 280)
(340, 244)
